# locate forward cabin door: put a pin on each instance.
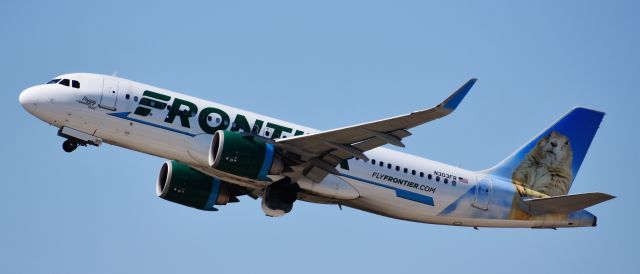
(483, 193)
(109, 94)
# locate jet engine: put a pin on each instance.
(244, 155)
(184, 185)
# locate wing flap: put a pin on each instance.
(563, 204)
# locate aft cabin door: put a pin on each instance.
(109, 94)
(483, 194)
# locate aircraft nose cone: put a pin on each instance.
(28, 99)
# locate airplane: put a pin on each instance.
(216, 153)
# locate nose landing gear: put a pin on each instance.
(69, 145)
(77, 138)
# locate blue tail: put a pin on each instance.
(549, 162)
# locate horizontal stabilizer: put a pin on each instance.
(563, 204)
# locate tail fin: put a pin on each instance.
(549, 162)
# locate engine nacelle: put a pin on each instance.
(181, 184)
(244, 155)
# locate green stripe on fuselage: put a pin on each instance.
(158, 96)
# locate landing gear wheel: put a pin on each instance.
(69, 145)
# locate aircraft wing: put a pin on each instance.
(564, 204)
(325, 150)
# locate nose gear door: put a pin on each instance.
(109, 94)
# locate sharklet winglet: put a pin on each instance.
(454, 100)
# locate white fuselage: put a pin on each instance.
(391, 183)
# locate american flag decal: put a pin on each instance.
(463, 180)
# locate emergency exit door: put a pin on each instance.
(109, 94)
(483, 193)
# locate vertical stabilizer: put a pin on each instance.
(549, 162)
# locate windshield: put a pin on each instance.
(65, 82)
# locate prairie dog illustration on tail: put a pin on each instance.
(547, 167)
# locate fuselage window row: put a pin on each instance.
(413, 172)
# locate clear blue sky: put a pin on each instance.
(325, 65)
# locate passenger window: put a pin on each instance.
(64, 82)
(397, 168)
(406, 170)
(389, 166)
(453, 183)
(54, 81)
(75, 84)
(381, 163)
(421, 174)
(413, 172)
(437, 178)
(446, 181)
(127, 96)
(373, 162)
(429, 177)
(135, 98)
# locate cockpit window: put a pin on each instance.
(66, 82)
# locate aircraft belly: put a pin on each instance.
(449, 208)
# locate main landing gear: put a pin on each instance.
(279, 197)
(69, 145)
